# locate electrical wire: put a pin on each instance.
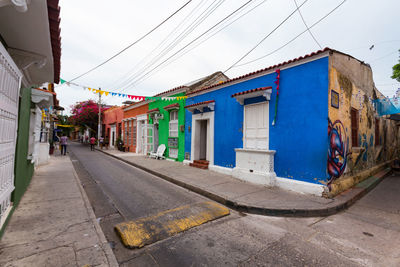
(263, 39)
(209, 36)
(128, 74)
(297, 36)
(305, 24)
(191, 42)
(177, 40)
(135, 42)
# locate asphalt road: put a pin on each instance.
(368, 234)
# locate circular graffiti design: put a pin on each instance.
(337, 151)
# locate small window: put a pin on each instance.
(377, 143)
(134, 133)
(173, 153)
(125, 133)
(173, 123)
(354, 127)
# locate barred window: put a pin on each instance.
(173, 123)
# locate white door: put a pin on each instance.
(10, 80)
(256, 126)
(113, 136)
(148, 138)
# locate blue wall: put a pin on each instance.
(300, 133)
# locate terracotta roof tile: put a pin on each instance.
(263, 70)
(153, 110)
(171, 90)
(175, 105)
(200, 103)
(53, 10)
(252, 91)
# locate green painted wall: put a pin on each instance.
(23, 167)
(163, 128)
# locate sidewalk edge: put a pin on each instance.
(348, 197)
(112, 261)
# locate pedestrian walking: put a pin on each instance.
(92, 143)
(63, 142)
(101, 141)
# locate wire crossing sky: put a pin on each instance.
(174, 53)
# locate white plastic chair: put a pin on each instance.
(159, 153)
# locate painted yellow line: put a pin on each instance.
(144, 231)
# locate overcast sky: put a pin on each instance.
(94, 30)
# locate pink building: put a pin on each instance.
(112, 129)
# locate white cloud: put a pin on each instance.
(93, 30)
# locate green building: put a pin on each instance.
(167, 117)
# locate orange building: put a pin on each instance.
(134, 125)
(112, 125)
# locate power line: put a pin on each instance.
(128, 74)
(297, 36)
(305, 24)
(263, 39)
(197, 38)
(135, 42)
(208, 37)
(176, 40)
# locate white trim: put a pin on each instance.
(219, 169)
(300, 186)
(187, 162)
(263, 73)
(136, 105)
(209, 116)
(265, 93)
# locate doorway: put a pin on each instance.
(203, 139)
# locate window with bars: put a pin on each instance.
(377, 142)
(134, 133)
(354, 127)
(129, 133)
(125, 133)
(173, 123)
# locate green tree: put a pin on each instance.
(396, 71)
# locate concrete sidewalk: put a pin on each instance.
(247, 197)
(54, 224)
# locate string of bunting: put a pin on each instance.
(132, 97)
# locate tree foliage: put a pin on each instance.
(396, 71)
(86, 113)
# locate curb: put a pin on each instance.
(112, 261)
(346, 198)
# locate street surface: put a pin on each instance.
(367, 234)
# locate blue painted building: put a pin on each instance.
(231, 125)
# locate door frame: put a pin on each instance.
(209, 116)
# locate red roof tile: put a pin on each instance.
(53, 10)
(200, 103)
(175, 105)
(153, 110)
(252, 91)
(263, 70)
(171, 90)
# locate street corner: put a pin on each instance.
(147, 230)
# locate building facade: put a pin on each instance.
(30, 53)
(112, 120)
(270, 126)
(134, 125)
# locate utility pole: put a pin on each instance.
(99, 125)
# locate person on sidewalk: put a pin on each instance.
(63, 142)
(92, 143)
(101, 141)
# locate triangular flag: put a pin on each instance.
(90, 89)
(62, 81)
(101, 92)
(106, 93)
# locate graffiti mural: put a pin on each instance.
(337, 151)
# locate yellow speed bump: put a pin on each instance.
(144, 231)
